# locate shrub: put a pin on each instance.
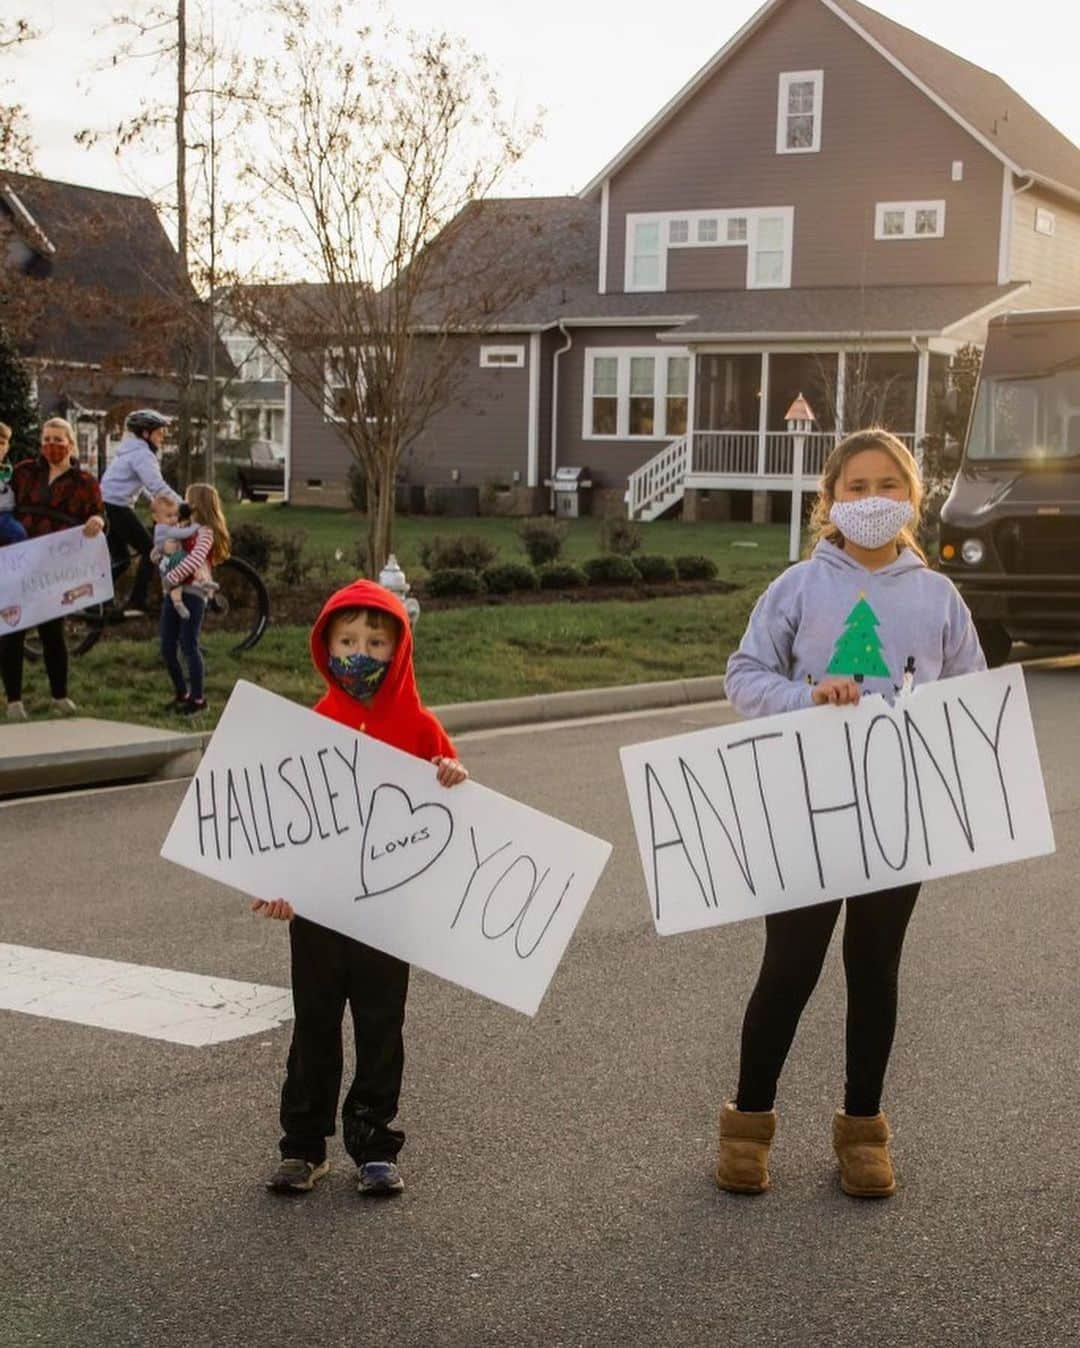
(611, 570)
(653, 567)
(696, 568)
(357, 488)
(562, 576)
(505, 577)
(621, 537)
(454, 580)
(254, 543)
(295, 567)
(465, 552)
(542, 538)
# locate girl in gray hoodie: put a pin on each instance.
(863, 614)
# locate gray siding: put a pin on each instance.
(1051, 263)
(882, 140)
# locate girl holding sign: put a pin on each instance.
(863, 614)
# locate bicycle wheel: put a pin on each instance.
(241, 606)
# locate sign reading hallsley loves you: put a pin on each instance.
(52, 576)
(791, 810)
(360, 837)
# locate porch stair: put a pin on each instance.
(660, 483)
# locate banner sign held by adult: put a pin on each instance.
(52, 576)
(820, 804)
(359, 836)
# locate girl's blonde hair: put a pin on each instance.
(60, 424)
(206, 509)
(873, 437)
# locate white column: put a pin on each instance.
(841, 390)
(601, 275)
(922, 389)
(533, 465)
(763, 413)
(795, 532)
(288, 439)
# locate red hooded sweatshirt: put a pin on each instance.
(395, 714)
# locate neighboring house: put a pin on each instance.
(832, 206)
(95, 300)
(255, 398)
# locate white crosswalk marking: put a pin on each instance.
(170, 1004)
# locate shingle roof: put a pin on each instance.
(981, 98)
(115, 284)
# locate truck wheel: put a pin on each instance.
(995, 641)
(241, 494)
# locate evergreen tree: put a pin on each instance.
(17, 401)
(858, 650)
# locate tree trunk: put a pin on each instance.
(184, 362)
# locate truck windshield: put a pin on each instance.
(1034, 417)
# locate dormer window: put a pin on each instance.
(798, 117)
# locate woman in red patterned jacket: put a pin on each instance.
(52, 482)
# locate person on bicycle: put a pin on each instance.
(135, 472)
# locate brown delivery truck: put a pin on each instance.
(1010, 530)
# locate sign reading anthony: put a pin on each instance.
(820, 804)
(52, 576)
(360, 837)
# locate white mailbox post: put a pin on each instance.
(800, 421)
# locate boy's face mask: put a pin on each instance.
(359, 675)
(871, 521)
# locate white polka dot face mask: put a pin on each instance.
(871, 521)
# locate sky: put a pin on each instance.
(600, 69)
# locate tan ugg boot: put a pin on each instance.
(742, 1166)
(862, 1148)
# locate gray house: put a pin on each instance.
(833, 205)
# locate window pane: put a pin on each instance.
(641, 416)
(646, 238)
(892, 222)
(679, 231)
(676, 416)
(605, 376)
(604, 416)
(800, 96)
(642, 375)
(645, 272)
(770, 234)
(926, 221)
(736, 229)
(800, 132)
(708, 231)
(678, 375)
(769, 269)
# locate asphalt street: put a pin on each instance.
(559, 1169)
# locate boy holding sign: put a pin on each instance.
(864, 614)
(361, 644)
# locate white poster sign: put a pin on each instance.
(360, 837)
(791, 810)
(52, 576)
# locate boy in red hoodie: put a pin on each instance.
(362, 646)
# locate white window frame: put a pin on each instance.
(787, 79)
(623, 355)
(1045, 222)
(329, 414)
(750, 214)
(490, 357)
(909, 208)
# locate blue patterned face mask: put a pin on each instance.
(359, 675)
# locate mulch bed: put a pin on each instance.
(299, 604)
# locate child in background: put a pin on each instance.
(210, 546)
(362, 646)
(11, 531)
(864, 614)
(173, 529)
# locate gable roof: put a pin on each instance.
(992, 112)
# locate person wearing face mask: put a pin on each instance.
(863, 614)
(51, 490)
(362, 647)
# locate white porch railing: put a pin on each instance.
(660, 482)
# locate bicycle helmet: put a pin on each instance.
(146, 419)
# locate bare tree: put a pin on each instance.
(374, 152)
(16, 145)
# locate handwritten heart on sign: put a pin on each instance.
(401, 840)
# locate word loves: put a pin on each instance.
(361, 838)
(831, 802)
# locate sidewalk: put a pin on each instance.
(51, 755)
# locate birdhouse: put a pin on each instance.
(799, 416)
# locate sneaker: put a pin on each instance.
(192, 706)
(294, 1175)
(135, 612)
(64, 706)
(16, 712)
(179, 704)
(375, 1179)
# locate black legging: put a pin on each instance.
(126, 531)
(54, 650)
(795, 946)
